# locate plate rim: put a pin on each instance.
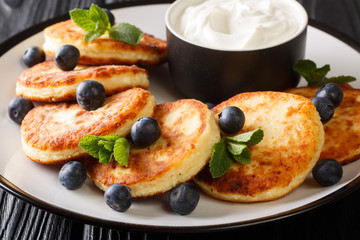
(32, 200)
(328, 199)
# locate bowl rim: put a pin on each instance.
(175, 4)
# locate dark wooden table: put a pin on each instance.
(335, 220)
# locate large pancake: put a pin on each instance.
(104, 50)
(293, 138)
(51, 133)
(46, 82)
(188, 132)
(342, 132)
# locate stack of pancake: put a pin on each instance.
(293, 133)
(112, 63)
(52, 131)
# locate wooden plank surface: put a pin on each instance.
(20, 220)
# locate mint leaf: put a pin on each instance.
(90, 145)
(108, 145)
(339, 79)
(99, 16)
(94, 21)
(105, 148)
(305, 68)
(105, 156)
(92, 35)
(126, 32)
(121, 151)
(317, 76)
(248, 138)
(310, 72)
(235, 148)
(82, 18)
(221, 160)
(240, 152)
(244, 157)
(112, 137)
(319, 73)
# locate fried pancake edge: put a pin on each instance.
(44, 82)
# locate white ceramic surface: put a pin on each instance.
(41, 182)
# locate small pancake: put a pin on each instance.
(188, 132)
(342, 132)
(51, 133)
(293, 138)
(104, 50)
(47, 83)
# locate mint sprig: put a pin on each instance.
(317, 76)
(106, 148)
(230, 148)
(95, 22)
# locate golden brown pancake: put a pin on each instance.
(51, 133)
(104, 50)
(188, 132)
(293, 138)
(46, 82)
(342, 132)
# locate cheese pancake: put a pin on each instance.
(293, 138)
(342, 132)
(188, 132)
(104, 50)
(51, 133)
(46, 82)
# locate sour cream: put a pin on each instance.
(239, 24)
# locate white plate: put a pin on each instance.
(39, 185)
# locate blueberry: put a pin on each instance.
(324, 107)
(33, 55)
(90, 95)
(18, 108)
(210, 105)
(327, 172)
(145, 131)
(231, 120)
(184, 198)
(110, 15)
(72, 175)
(331, 91)
(118, 197)
(67, 57)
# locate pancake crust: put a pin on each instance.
(188, 132)
(51, 133)
(46, 83)
(293, 138)
(104, 50)
(342, 132)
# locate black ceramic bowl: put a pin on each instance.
(214, 75)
